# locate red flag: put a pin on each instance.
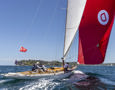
(22, 49)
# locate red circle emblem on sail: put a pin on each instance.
(22, 49)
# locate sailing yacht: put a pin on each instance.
(94, 20)
(75, 10)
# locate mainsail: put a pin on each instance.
(94, 31)
(75, 10)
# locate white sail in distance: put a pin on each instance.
(75, 10)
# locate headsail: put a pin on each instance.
(94, 31)
(75, 10)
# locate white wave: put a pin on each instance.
(41, 84)
(77, 76)
(4, 81)
(3, 89)
(106, 81)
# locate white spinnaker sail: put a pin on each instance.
(75, 10)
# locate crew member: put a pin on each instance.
(66, 66)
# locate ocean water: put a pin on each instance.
(105, 80)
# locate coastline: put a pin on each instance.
(52, 63)
(47, 63)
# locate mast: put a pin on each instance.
(63, 63)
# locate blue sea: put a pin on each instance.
(104, 74)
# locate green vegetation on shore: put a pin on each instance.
(46, 63)
(50, 63)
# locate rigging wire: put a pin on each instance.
(63, 9)
(72, 55)
(27, 32)
(57, 35)
(36, 14)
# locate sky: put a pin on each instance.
(39, 26)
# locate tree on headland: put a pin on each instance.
(46, 63)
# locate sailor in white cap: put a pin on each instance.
(35, 66)
(37, 63)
